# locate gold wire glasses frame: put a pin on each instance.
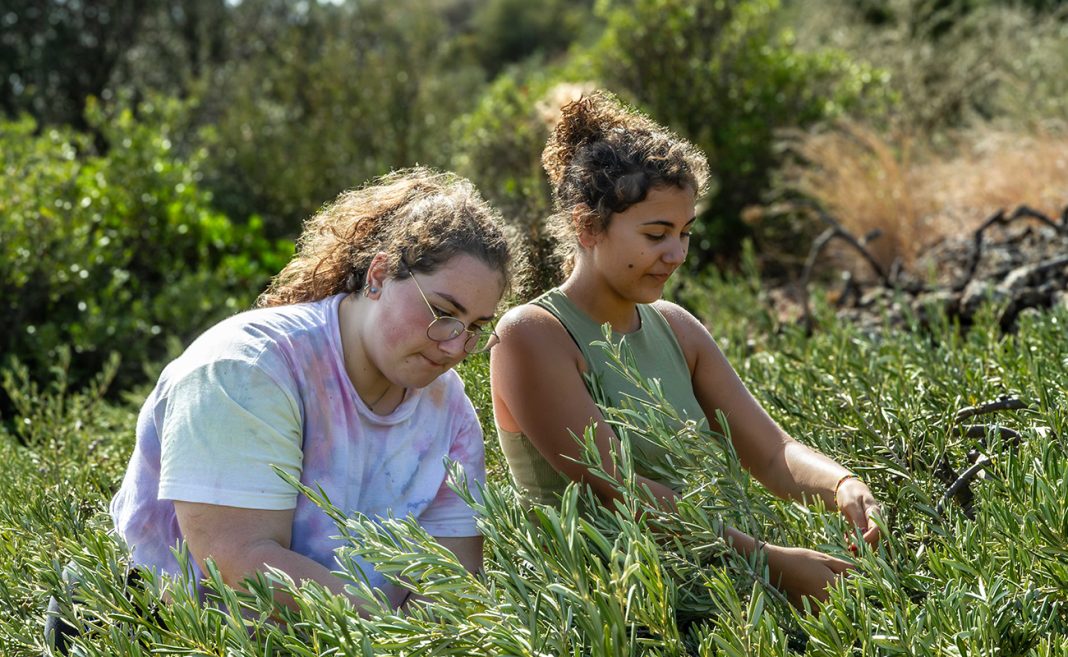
(444, 328)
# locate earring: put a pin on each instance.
(374, 290)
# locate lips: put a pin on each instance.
(432, 362)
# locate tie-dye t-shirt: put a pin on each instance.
(267, 388)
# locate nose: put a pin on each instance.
(454, 347)
(675, 253)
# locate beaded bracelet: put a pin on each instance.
(842, 481)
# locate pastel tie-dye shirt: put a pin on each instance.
(267, 388)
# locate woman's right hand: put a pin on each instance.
(799, 572)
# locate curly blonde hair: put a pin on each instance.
(418, 217)
(604, 157)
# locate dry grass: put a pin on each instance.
(916, 198)
(997, 170)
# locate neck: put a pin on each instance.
(589, 291)
(371, 385)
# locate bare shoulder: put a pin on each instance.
(689, 331)
(531, 365)
(530, 326)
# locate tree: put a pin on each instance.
(55, 54)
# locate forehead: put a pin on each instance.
(673, 204)
(469, 281)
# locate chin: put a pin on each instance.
(648, 295)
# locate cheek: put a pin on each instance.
(401, 329)
(391, 339)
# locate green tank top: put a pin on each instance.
(657, 354)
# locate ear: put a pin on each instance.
(377, 275)
(580, 216)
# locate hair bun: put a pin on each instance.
(583, 121)
(592, 118)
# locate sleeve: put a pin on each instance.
(448, 515)
(227, 423)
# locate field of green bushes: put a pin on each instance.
(989, 579)
(156, 162)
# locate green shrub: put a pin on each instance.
(505, 32)
(325, 96)
(111, 252)
(60, 463)
(560, 583)
(952, 64)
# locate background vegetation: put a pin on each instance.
(157, 159)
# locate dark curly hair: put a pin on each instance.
(604, 157)
(416, 216)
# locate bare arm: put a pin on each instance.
(785, 466)
(245, 541)
(468, 550)
(537, 367)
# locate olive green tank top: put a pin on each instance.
(656, 353)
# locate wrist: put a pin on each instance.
(773, 557)
(843, 481)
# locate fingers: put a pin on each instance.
(871, 537)
(872, 533)
(855, 512)
(838, 566)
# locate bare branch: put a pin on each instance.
(1010, 436)
(960, 486)
(1003, 404)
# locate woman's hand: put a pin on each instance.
(859, 507)
(800, 572)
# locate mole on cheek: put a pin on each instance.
(630, 266)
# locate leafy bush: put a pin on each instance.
(557, 582)
(952, 64)
(324, 96)
(508, 31)
(100, 253)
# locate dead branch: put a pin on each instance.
(1002, 404)
(1010, 436)
(1027, 211)
(834, 230)
(999, 217)
(959, 487)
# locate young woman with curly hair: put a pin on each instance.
(342, 377)
(625, 190)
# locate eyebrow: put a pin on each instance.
(665, 222)
(459, 306)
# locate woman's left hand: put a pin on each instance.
(859, 507)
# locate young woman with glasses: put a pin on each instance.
(342, 378)
(625, 191)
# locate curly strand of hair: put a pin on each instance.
(418, 216)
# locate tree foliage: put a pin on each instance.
(115, 252)
(55, 54)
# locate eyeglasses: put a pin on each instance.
(444, 328)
